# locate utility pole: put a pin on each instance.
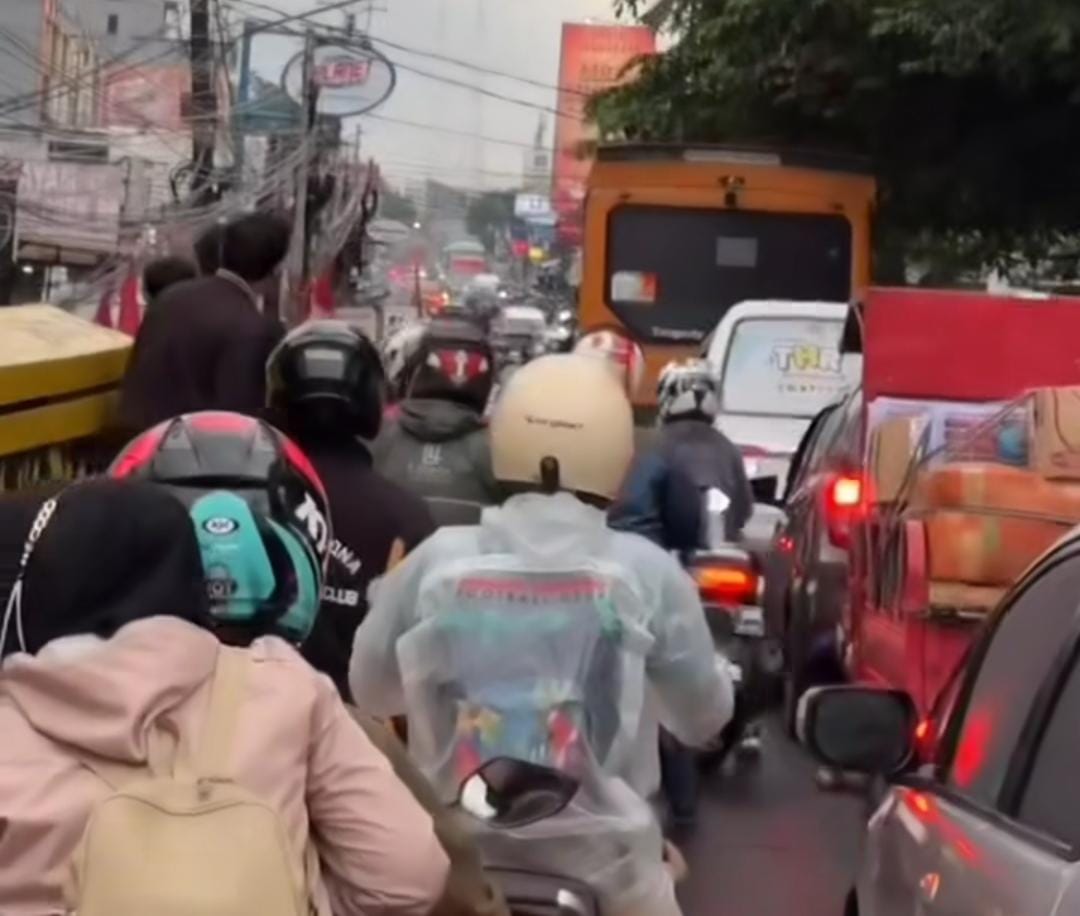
(203, 96)
(299, 255)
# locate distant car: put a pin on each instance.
(809, 564)
(779, 363)
(981, 811)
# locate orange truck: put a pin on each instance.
(677, 235)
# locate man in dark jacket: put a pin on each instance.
(437, 446)
(326, 387)
(690, 447)
(204, 344)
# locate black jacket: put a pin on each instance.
(203, 345)
(368, 513)
(710, 460)
(439, 450)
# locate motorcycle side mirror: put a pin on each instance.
(509, 793)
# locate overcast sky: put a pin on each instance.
(516, 37)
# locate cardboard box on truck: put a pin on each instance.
(1055, 437)
(893, 448)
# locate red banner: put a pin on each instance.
(146, 97)
(594, 58)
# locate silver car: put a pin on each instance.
(981, 811)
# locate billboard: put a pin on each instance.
(593, 59)
(351, 80)
(70, 205)
(146, 97)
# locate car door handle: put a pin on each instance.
(929, 885)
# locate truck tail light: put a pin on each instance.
(727, 586)
(843, 500)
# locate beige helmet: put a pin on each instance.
(569, 409)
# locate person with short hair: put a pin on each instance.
(161, 273)
(204, 344)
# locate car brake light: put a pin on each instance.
(727, 586)
(843, 499)
(846, 492)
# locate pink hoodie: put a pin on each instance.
(295, 747)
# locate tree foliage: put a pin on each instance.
(489, 215)
(968, 109)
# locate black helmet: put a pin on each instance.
(259, 510)
(453, 362)
(327, 377)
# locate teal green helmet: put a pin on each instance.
(260, 514)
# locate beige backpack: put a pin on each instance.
(185, 839)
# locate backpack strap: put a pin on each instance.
(211, 757)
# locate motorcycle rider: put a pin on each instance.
(623, 355)
(112, 639)
(689, 402)
(536, 632)
(325, 389)
(437, 446)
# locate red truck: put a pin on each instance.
(899, 628)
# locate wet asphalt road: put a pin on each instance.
(769, 843)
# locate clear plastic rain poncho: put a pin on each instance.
(540, 635)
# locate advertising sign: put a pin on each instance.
(145, 97)
(350, 80)
(593, 59)
(532, 206)
(70, 205)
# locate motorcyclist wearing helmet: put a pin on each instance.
(437, 447)
(689, 398)
(325, 388)
(623, 356)
(536, 632)
(112, 639)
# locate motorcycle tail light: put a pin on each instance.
(729, 587)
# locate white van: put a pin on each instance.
(779, 364)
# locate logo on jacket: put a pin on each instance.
(431, 455)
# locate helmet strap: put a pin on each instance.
(549, 475)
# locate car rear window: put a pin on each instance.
(672, 272)
(785, 367)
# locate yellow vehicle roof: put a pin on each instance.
(58, 376)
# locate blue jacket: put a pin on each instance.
(660, 502)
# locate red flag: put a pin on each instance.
(130, 306)
(322, 296)
(103, 315)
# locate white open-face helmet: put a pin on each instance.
(398, 351)
(688, 389)
(623, 356)
(563, 422)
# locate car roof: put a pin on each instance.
(784, 308)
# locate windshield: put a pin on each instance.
(672, 272)
(788, 367)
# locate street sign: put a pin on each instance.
(351, 79)
(532, 205)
